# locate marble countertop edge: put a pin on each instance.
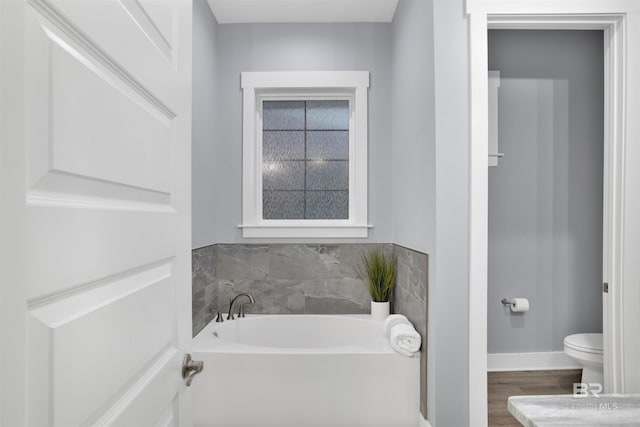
(569, 410)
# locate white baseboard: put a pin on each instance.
(422, 422)
(538, 361)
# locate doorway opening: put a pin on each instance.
(612, 26)
(545, 202)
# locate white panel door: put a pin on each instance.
(95, 303)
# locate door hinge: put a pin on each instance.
(605, 288)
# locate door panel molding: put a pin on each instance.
(83, 375)
(73, 135)
(63, 32)
(159, 38)
(95, 212)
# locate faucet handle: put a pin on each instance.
(219, 318)
(230, 315)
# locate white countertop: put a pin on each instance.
(567, 410)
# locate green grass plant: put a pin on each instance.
(378, 274)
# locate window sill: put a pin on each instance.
(305, 231)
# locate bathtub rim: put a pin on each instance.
(204, 342)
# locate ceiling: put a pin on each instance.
(270, 11)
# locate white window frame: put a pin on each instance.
(305, 85)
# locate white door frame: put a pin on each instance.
(620, 205)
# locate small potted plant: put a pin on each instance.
(378, 274)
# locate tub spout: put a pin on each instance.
(233, 302)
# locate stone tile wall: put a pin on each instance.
(204, 287)
(293, 278)
(410, 298)
(301, 279)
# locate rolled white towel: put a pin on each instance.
(394, 319)
(404, 339)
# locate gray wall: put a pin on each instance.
(413, 126)
(449, 295)
(300, 47)
(414, 160)
(545, 197)
(398, 55)
(204, 126)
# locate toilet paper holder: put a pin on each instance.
(516, 305)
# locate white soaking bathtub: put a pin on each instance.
(303, 370)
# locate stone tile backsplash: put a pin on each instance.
(293, 278)
(204, 287)
(410, 293)
(301, 279)
(410, 298)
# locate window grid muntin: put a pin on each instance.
(266, 96)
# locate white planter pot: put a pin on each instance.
(379, 310)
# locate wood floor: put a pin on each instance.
(520, 383)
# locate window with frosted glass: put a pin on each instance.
(305, 159)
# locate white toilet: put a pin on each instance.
(586, 349)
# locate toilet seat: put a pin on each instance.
(585, 343)
(587, 351)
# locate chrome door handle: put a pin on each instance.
(190, 368)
